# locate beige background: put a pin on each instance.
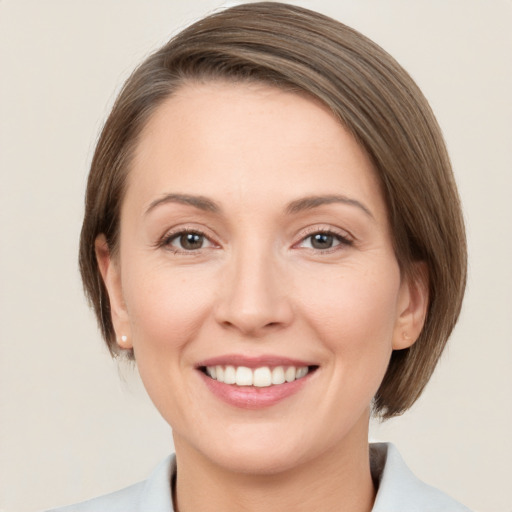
(72, 425)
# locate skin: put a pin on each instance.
(258, 285)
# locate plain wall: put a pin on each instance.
(71, 424)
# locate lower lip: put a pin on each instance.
(251, 397)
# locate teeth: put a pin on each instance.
(258, 377)
(278, 375)
(301, 372)
(290, 374)
(243, 376)
(262, 377)
(230, 375)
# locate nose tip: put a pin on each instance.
(253, 323)
(254, 302)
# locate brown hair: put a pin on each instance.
(297, 49)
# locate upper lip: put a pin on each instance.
(253, 361)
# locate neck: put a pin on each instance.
(339, 480)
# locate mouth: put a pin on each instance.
(259, 377)
(255, 382)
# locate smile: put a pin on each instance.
(255, 382)
(260, 377)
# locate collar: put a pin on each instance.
(398, 489)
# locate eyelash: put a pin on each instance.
(343, 239)
(168, 238)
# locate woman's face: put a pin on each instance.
(255, 249)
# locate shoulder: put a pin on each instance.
(126, 500)
(399, 489)
(152, 494)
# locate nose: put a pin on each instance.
(254, 299)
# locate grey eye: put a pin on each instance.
(322, 241)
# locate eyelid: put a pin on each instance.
(325, 228)
(172, 233)
(345, 238)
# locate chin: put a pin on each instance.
(246, 449)
(256, 460)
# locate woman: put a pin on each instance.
(272, 232)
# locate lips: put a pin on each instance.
(254, 382)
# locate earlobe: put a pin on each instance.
(111, 274)
(412, 306)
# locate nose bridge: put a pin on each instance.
(254, 298)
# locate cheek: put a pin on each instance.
(165, 308)
(355, 313)
(166, 312)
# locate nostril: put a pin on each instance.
(252, 317)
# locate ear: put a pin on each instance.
(412, 306)
(111, 274)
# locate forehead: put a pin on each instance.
(248, 139)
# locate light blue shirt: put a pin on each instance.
(398, 490)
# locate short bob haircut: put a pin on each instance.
(372, 96)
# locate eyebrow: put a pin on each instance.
(308, 203)
(200, 202)
(297, 206)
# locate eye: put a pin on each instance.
(187, 241)
(324, 240)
